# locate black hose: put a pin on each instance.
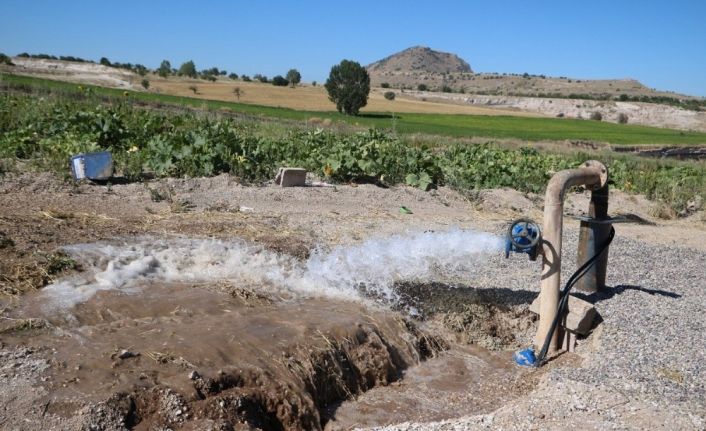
(564, 297)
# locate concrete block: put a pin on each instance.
(579, 317)
(291, 177)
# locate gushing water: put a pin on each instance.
(344, 271)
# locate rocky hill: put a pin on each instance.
(421, 59)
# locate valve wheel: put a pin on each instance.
(529, 231)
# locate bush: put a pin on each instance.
(385, 85)
(194, 88)
(280, 81)
(246, 78)
(313, 83)
(596, 116)
(145, 84)
(348, 86)
(389, 95)
(422, 87)
(447, 89)
(4, 59)
(622, 118)
(105, 62)
(233, 76)
(261, 78)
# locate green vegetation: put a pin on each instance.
(389, 95)
(46, 131)
(348, 86)
(495, 127)
(165, 69)
(294, 77)
(4, 59)
(188, 68)
(280, 81)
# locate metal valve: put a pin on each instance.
(523, 236)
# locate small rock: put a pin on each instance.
(124, 354)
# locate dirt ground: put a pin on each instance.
(182, 358)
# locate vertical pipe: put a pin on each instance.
(592, 174)
(591, 237)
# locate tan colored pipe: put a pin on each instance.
(592, 174)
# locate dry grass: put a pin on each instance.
(310, 98)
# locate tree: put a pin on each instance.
(145, 83)
(238, 92)
(105, 62)
(188, 69)
(165, 68)
(280, 81)
(422, 87)
(233, 76)
(294, 77)
(348, 86)
(389, 95)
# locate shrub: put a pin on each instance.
(194, 88)
(145, 84)
(280, 81)
(238, 92)
(105, 62)
(313, 83)
(596, 116)
(385, 85)
(422, 87)
(389, 95)
(447, 89)
(245, 78)
(4, 59)
(622, 118)
(233, 76)
(348, 86)
(261, 78)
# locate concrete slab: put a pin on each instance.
(291, 177)
(580, 314)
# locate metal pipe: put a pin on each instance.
(592, 236)
(591, 174)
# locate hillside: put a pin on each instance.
(309, 97)
(417, 66)
(422, 59)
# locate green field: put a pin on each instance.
(499, 127)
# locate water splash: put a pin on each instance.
(367, 269)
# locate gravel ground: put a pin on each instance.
(643, 367)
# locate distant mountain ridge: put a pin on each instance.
(422, 68)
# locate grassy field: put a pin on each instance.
(487, 126)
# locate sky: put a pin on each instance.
(660, 43)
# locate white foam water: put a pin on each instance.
(372, 266)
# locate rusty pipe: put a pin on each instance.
(593, 175)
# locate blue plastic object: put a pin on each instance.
(525, 357)
(92, 166)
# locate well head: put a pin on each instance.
(602, 169)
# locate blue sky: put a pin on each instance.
(663, 44)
